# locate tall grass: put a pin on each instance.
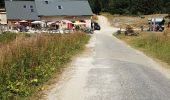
(26, 63)
(8, 37)
(155, 44)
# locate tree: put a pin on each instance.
(2, 4)
(96, 6)
(131, 6)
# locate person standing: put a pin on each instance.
(141, 27)
(168, 24)
(93, 25)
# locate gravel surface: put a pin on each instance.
(111, 70)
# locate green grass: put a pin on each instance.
(154, 44)
(26, 63)
(8, 37)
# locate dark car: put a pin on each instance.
(95, 26)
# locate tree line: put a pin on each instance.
(1, 3)
(130, 7)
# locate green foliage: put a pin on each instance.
(1, 3)
(96, 6)
(26, 63)
(132, 7)
(7, 37)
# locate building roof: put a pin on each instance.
(21, 10)
(30, 10)
(63, 8)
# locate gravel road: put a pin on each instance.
(111, 70)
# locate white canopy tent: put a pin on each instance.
(79, 23)
(38, 22)
(23, 21)
(16, 23)
(42, 23)
(49, 23)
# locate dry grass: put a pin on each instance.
(94, 18)
(134, 21)
(167, 32)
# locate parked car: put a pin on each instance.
(95, 26)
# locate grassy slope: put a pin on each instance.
(26, 63)
(154, 44)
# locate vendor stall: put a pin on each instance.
(156, 24)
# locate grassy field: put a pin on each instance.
(154, 44)
(26, 62)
